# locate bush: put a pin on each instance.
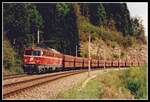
(135, 81)
(8, 55)
(115, 56)
(113, 44)
(133, 85)
(84, 54)
(129, 41)
(11, 62)
(111, 37)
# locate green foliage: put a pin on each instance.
(121, 84)
(63, 29)
(35, 16)
(18, 64)
(121, 16)
(97, 13)
(111, 35)
(84, 54)
(132, 79)
(138, 30)
(111, 38)
(67, 30)
(137, 27)
(115, 56)
(15, 16)
(135, 81)
(90, 91)
(113, 44)
(133, 85)
(22, 20)
(122, 54)
(63, 8)
(8, 58)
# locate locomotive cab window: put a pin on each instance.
(34, 53)
(28, 52)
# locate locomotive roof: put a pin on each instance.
(46, 49)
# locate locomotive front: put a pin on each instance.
(31, 60)
(38, 60)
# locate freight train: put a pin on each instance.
(41, 60)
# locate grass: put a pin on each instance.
(113, 86)
(121, 84)
(90, 91)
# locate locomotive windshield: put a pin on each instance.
(33, 52)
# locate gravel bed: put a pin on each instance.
(51, 89)
(7, 81)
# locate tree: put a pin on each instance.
(120, 14)
(22, 20)
(138, 29)
(8, 58)
(34, 16)
(60, 30)
(66, 28)
(84, 10)
(137, 26)
(97, 14)
(63, 8)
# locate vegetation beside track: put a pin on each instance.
(121, 84)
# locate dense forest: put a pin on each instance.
(63, 26)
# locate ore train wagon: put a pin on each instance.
(40, 60)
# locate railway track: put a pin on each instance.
(16, 87)
(14, 76)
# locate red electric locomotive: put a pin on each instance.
(39, 60)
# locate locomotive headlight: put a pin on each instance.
(31, 59)
(25, 60)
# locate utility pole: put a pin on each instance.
(104, 60)
(89, 69)
(33, 40)
(119, 58)
(76, 51)
(38, 37)
(126, 57)
(14, 42)
(129, 57)
(138, 56)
